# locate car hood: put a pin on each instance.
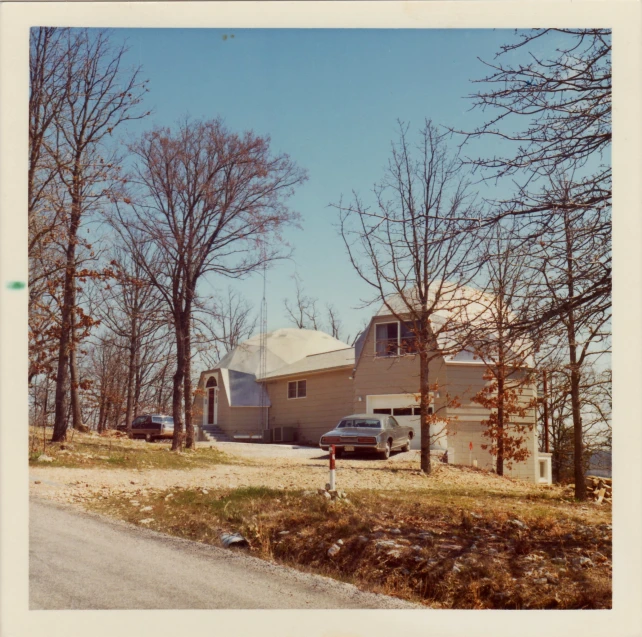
(354, 431)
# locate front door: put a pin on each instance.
(212, 406)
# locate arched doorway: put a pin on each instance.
(212, 401)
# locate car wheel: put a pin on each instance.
(385, 454)
(406, 447)
(148, 438)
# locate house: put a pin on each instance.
(309, 380)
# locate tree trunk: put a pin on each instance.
(74, 385)
(66, 311)
(130, 377)
(578, 450)
(62, 375)
(189, 425)
(424, 388)
(177, 385)
(500, 422)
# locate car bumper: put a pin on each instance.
(373, 448)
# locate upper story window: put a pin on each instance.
(394, 339)
(387, 339)
(297, 389)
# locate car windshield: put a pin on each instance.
(360, 422)
(168, 420)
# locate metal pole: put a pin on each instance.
(545, 414)
(332, 470)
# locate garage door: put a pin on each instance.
(405, 409)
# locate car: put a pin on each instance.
(153, 426)
(378, 433)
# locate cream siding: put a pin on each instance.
(376, 375)
(328, 399)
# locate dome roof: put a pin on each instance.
(284, 347)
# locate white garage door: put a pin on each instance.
(405, 409)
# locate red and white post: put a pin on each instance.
(332, 469)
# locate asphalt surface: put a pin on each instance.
(80, 560)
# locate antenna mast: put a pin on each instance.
(263, 406)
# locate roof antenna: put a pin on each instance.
(263, 403)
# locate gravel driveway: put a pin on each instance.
(274, 466)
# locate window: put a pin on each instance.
(392, 423)
(408, 344)
(211, 382)
(394, 339)
(387, 339)
(156, 419)
(297, 389)
(382, 411)
(139, 421)
(417, 411)
(373, 424)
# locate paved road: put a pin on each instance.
(83, 561)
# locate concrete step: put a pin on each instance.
(215, 433)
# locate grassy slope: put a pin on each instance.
(92, 451)
(470, 554)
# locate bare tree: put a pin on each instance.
(504, 350)
(220, 324)
(413, 247)
(573, 253)
(47, 95)
(100, 95)
(304, 312)
(132, 310)
(551, 119)
(204, 201)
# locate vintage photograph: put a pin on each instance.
(319, 318)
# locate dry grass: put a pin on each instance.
(92, 451)
(453, 547)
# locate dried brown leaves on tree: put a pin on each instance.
(204, 201)
(80, 93)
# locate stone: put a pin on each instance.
(284, 532)
(147, 520)
(363, 538)
(328, 486)
(519, 524)
(326, 495)
(339, 542)
(540, 580)
(321, 491)
(394, 553)
(583, 562)
(333, 550)
(395, 531)
(204, 491)
(309, 493)
(45, 458)
(148, 508)
(385, 543)
(37, 482)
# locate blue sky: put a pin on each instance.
(330, 99)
